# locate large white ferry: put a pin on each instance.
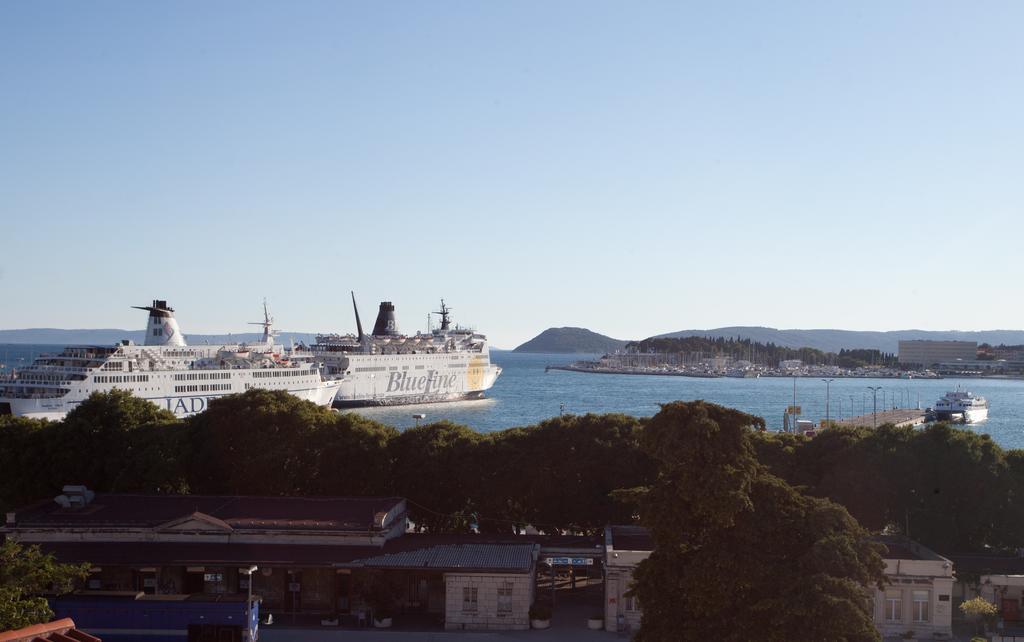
(175, 376)
(973, 408)
(386, 367)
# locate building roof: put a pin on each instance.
(208, 554)
(630, 538)
(898, 547)
(57, 631)
(217, 512)
(510, 558)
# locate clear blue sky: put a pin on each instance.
(633, 168)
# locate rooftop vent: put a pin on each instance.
(75, 496)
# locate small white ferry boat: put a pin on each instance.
(962, 403)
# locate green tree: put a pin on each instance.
(738, 550)
(436, 468)
(980, 612)
(21, 450)
(353, 457)
(261, 442)
(92, 445)
(25, 574)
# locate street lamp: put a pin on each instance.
(874, 400)
(248, 604)
(828, 384)
(417, 417)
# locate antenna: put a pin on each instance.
(445, 311)
(359, 324)
(267, 323)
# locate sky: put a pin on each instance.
(632, 168)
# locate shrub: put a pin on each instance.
(540, 612)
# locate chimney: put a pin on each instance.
(75, 496)
(386, 325)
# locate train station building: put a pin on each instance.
(334, 561)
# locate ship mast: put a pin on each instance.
(267, 323)
(445, 311)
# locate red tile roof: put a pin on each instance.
(57, 631)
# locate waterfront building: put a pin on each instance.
(625, 548)
(304, 559)
(925, 353)
(918, 595)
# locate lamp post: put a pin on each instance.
(828, 384)
(250, 634)
(874, 399)
(417, 417)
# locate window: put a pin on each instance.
(631, 603)
(894, 605)
(505, 599)
(469, 601)
(921, 601)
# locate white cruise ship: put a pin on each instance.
(973, 408)
(175, 376)
(389, 368)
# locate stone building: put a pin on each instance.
(918, 597)
(625, 548)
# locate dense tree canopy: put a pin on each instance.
(25, 573)
(738, 550)
(954, 489)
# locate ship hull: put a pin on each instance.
(408, 400)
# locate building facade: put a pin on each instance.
(625, 548)
(919, 593)
(924, 354)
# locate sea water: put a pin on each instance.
(526, 394)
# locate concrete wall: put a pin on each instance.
(486, 616)
(617, 584)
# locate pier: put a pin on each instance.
(899, 417)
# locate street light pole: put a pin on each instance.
(248, 605)
(874, 400)
(828, 383)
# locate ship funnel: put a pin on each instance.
(386, 325)
(162, 329)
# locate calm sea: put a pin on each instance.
(526, 394)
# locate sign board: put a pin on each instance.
(569, 561)
(213, 577)
(294, 587)
(793, 410)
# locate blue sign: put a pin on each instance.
(569, 561)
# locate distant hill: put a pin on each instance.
(572, 340)
(835, 340)
(55, 336)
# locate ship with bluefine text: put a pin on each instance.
(165, 370)
(386, 367)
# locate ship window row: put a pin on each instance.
(375, 369)
(202, 376)
(113, 365)
(262, 374)
(192, 388)
(121, 378)
(211, 387)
